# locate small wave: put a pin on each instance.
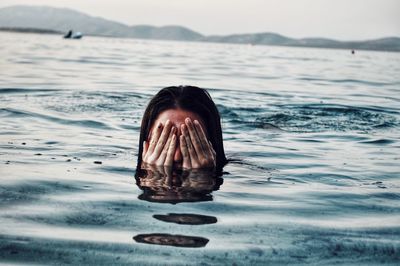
(312, 117)
(119, 170)
(292, 58)
(23, 90)
(379, 141)
(326, 117)
(105, 102)
(21, 192)
(95, 61)
(353, 81)
(10, 112)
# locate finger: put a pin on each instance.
(163, 155)
(194, 137)
(145, 148)
(185, 153)
(163, 139)
(189, 145)
(212, 149)
(171, 152)
(213, 152)
(154, 137)
(203, 138)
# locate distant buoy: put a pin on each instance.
(353, 52)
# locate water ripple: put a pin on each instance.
(17, 113)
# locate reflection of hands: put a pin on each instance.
(162, 146)
(197, 151)
(163, 184)
(161, 177)
(157, 176)
(199, 179)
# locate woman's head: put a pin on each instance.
(176, 104)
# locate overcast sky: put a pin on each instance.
(339, 19)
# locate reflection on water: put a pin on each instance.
(164, 185)
(186, 218)
(167, 185)
(172, 240)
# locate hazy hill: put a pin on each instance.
(164, 33)
(384, 44)
(256, 38)
(59, 19)
(44, 19)
(64, 19)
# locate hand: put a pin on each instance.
(162, 146)
(197, 151)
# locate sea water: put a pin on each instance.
(312, 134)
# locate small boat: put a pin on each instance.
(73, 35)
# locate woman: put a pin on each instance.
(181, 128)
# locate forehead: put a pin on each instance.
(177, 116)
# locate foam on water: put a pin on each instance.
(312, 135)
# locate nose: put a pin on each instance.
(178, 156)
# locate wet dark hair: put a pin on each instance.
(188, 98)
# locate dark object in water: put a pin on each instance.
(186, 218)
(68, 35)
(172, 240)
(98, 162)
(353, 52)
(72, 35)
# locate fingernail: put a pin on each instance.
(196, 122)
(173, 130)
(187, 120)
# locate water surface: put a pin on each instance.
(313, 135)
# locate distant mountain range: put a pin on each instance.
(44, 19)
